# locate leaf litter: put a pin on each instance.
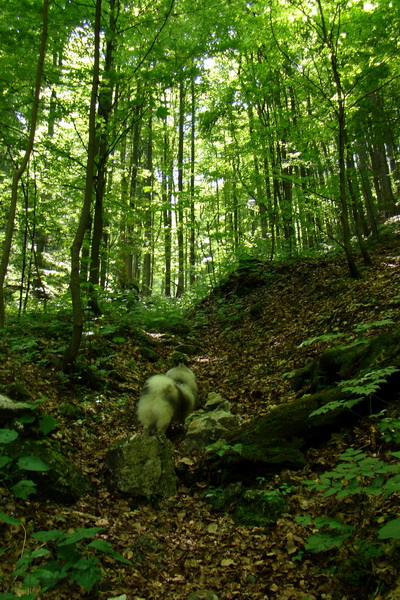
(177, 546)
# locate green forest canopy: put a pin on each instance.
(163, 140)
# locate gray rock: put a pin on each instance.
(215, 401)
(208, 426)
(144, 466)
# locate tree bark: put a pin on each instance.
(167, 213)
(147, 283)
(102, 143)
(75, 279)
(192, 249)
(181, 251)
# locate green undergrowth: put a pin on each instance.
(368, 479)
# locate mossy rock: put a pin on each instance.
(263, 447)
(346, 362)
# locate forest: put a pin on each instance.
(217, 181)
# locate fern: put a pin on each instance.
(363, 387)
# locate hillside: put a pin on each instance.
(249, 335)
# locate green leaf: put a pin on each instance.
(364, 326)
(68, 553)
(326, 337)
(24, 488)
(51, 574)
(107, 548)
(47, 536)
(32, 463)
(26, 419)
(303, 520)
(80, 534)
(390, 530)
(7, 436)
(162, 112)
(9, 520)
(47, 423)
(333, 524)
(320, 542)
(86, 573)
(40, 552)
(4, 460)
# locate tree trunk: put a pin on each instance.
(21, 169)
(102, 144)
(167, 214)
(180, 237)
(192, 249)
(353, 191)
(365, 174)
(75, 280)
(148, 219)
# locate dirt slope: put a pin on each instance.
(249, 332)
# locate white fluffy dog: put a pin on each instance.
(166, 398)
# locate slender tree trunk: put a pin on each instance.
(341, 137)
(167, 215)
(21, 169)
(366, 187)
(148, 220)
(192, 251)
(350, 170)
(354, 272)
(75, 280)
(102, 144)
(258, 177)
(181, 251)
(383, 186)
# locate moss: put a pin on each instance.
(259, 508)
(71, 411)
(148, 353)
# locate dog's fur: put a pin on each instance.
(167, 398)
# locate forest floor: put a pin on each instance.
(250, 335)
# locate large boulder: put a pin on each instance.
(143, 466)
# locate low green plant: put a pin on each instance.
(358, 473)
(331, 533)
(364, 475)
(389, 428)
(11, 466)
(359, 329)
(356, 554)
(221, 447)
(362, 387)
(60, 556)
